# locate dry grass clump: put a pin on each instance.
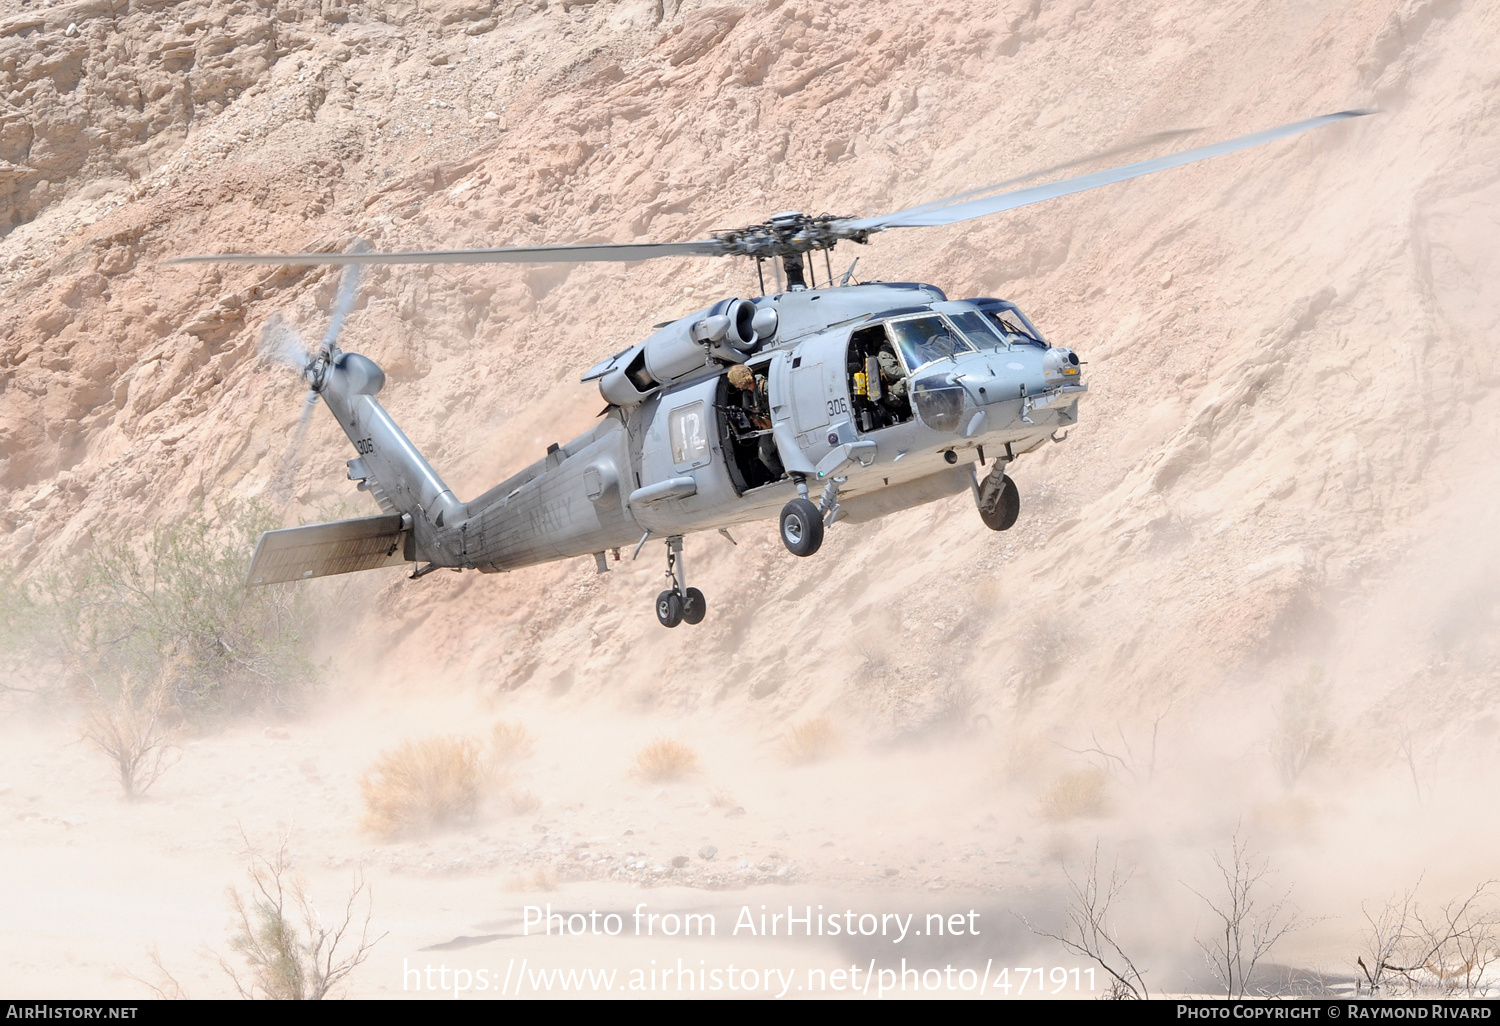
(664, 760)
(422, 784)
(1023, 759)
(521, 803)
(1076, 795)
(810, 741)
(510, 741)
(542, 878)
(1291, 816)
(510, 799)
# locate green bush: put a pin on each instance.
(172, 608)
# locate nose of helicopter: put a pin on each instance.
(948, 396)
(997, 376)
(1060, 365)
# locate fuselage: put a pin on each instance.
(670, 465)
(890, 392)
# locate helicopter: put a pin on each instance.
(816, 403)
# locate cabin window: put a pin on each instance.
(688, 428)
(925, 339)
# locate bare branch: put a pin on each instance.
(1128, 762)
(1449, 950)
(167, 988)
(1087, 932)
(1247, 937)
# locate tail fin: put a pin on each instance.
(417, 504)
(389, 466)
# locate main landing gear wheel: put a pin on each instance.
(801, 527)
(694, 606)
(679, 603)
(999, 502)
(669, 609)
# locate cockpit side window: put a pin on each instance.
(922, 340)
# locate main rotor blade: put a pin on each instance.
(571, 253)
(1115, 151)
(949, 212)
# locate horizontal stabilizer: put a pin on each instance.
(320, 550)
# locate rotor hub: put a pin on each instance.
(789, 233)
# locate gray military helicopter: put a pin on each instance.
(821, 402)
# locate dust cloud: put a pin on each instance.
(1250, 599)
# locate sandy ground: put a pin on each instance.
(941, 827)
(1284, 471)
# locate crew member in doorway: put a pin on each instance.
(752, 387)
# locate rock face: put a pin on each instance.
(99, 88)
(1289, 348)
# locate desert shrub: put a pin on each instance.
(1089, 930)
(1247, 922)
(173, 609)
(664, 760)
(134, 732)
(510, 741)
(810, 741)
(1075, 795)
(423, 784)
(1303, 730)
(290, 951)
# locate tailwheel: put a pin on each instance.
(669, 609)
(694, 606)
(999, 501)
(801, 527)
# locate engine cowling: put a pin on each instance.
(727, 332)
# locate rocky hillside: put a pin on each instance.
(1290, 350)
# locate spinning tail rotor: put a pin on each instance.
(281, 343)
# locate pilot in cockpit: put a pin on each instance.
(892, 374)
(892, 405)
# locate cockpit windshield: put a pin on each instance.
(925, 339)
(981, 331)
(1015, 329)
